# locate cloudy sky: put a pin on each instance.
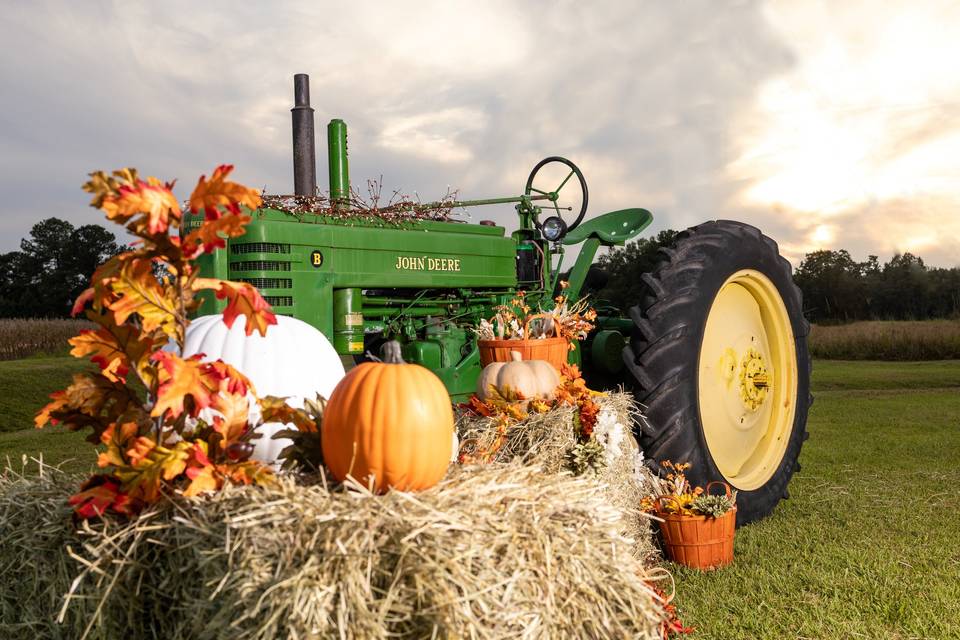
(827, 124)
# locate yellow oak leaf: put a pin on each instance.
(138, 291)
(274, 409)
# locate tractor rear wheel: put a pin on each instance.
(719, 360)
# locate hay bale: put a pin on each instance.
(545, 439)
(494, 551)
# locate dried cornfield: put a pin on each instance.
(25, 337)
(887, 340)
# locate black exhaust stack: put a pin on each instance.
(304, 140)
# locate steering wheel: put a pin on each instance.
(553, 195)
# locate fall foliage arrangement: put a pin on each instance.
(571, 320)
(168, 424)
(673, 494)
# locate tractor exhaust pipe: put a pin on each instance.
(304, 140)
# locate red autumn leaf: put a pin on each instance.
(100, 494)
(231, 381)
(81, 301)
(217, 192)
(242, 298)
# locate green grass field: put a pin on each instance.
(868, 546)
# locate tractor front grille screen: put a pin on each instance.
(279, 301)
(260, 265)
(269, 283)
(259, 247)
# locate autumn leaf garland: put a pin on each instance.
(190, 434)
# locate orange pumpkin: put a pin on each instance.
(389, 420)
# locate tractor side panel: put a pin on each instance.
(297, 263)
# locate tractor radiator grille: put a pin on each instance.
(279, 301)
(260, 265)
(269, 283)
(259, 247)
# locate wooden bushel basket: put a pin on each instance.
(699, 542)
(553, 350)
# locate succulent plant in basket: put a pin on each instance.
(696, 526)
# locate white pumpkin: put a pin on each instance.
(293, 360)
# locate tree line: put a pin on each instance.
(55, 262)
(836, 288)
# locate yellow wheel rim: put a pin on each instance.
(747, 383)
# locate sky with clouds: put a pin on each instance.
(827, 124)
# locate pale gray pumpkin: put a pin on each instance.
(519, 379)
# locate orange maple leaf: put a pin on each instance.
(180, 378)
(202, 473)
(92, 400)
(46, 415)
(232, 421)
(217, 192)
(248, 472)
(142, 447)
(107, 353)
(242, 298)
(212, 234)
(124, 195)
(94, 501)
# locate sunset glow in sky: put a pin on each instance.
(827, 124)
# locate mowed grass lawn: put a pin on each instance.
(868, 546)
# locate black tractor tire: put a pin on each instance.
(662, 356)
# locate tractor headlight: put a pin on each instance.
(553, 228)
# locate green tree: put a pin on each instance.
(904, 292)
(626, 265)
(52, 267)
(832, 285)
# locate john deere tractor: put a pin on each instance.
(714, 348)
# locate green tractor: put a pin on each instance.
(714, 349)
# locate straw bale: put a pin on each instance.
(545, 440)
(494, 551)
